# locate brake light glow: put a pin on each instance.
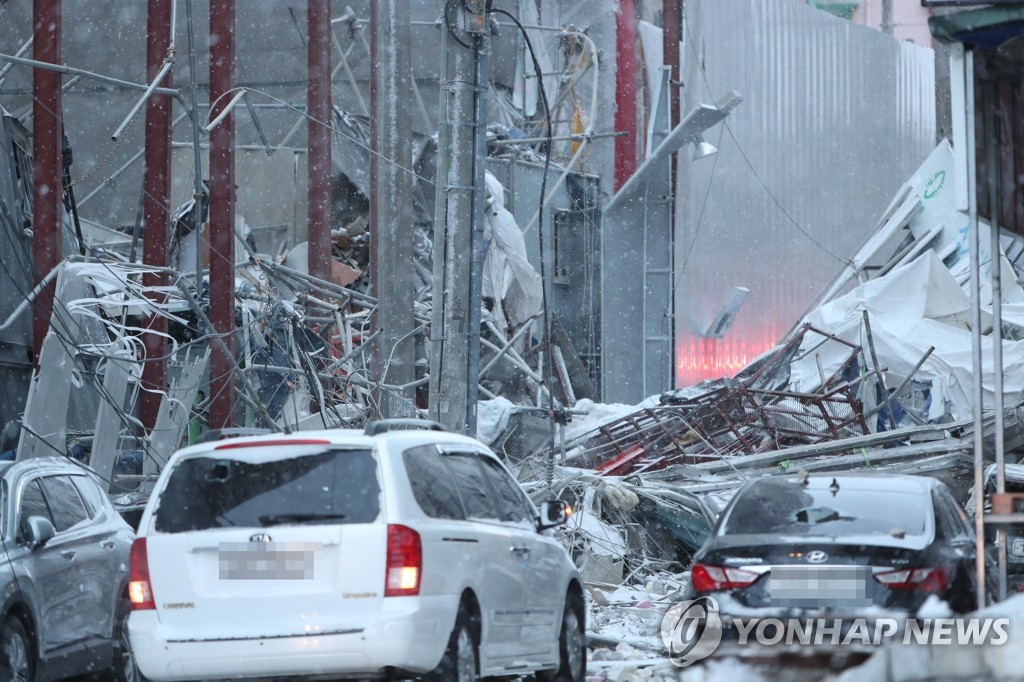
(707, 578)
(271, 443)
(139, 591)
(921, 579)
(404, 563)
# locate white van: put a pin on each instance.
(386, 553)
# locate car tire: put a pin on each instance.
(17, 660)
(123, 667)
(572, 645)
(460, 662)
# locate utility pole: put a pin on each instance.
(222, 213)
(46, 158)
(157, 183)
(390, 205)
(458, 221)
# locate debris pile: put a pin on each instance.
(878, 375)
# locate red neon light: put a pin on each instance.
(698, 358)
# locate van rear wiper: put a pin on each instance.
(273, 519)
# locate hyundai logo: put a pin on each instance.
(260, 537)
(816, 557)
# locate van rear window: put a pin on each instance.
(337, 486)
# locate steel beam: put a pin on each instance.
(157, 191)
(46, 159)
(318, 110)
(222, 214)
(625, 92)
(672, 22)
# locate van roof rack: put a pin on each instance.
(235, 432)
(384, 425)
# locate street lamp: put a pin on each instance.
(703, 149)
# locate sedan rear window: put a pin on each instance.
(787, 507)
(339, 486)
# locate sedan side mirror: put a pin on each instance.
(40, 530)
(553, 513)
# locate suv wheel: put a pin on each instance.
(16, 660)
(459, 663)
(572, 645)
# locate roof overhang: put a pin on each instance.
(993, 29)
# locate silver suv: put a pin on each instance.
(64, 567)
(388, 553)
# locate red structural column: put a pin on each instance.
(672, 18)
(157, 185)
(46, 157)
(318, 107)
(625, 92)
(672, 22)
(222, 212)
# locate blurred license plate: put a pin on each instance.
(820, 586)
(267, 560)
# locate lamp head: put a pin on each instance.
(703, 149)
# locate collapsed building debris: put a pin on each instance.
(877, 377)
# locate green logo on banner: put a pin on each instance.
(934, 184)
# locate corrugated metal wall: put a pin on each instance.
(835, 117)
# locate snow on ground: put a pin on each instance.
(625, 626)
(626, 621)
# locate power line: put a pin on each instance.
(750, 165)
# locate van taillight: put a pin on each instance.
(405, 562)
(139, 590)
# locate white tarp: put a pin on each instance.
(911, 308)
(508, 277)
(926, 206)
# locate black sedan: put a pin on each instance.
(837, 542)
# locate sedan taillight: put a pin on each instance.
(707, 578)
(920, 579)
(139, 590)
(405, 562)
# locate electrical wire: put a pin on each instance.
(546, 369)
(128, 422)
(750, 165)
(68, 343)
(700, 218)
(450, 25)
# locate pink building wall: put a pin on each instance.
(910, 20)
